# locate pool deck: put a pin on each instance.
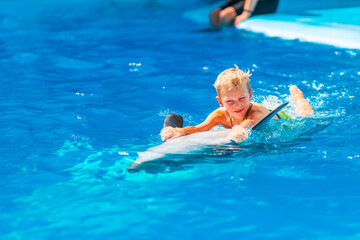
(338, 26)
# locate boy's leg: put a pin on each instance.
(173, 120)
(303, 107)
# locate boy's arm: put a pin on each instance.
(248, 123)
(239, 133)
(212, 120)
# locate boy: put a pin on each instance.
(236, 111)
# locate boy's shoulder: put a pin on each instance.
(259, 110)
(259, 107)
(219, 114)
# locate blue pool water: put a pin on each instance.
(86, 86)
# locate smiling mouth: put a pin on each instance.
(238, 111)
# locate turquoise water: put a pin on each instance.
(82, 92)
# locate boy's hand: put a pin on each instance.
(170, 132)
(238, 134)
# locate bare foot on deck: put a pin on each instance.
(303, 108)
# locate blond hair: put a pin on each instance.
(232, 78)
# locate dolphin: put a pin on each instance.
(183, 145)
(194, 142)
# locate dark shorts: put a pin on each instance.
(262, 7)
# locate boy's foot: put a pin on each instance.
(173, 120)
(303, 108)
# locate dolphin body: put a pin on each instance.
(194, 142)
(183, 145)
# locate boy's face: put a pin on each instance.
(236, 102)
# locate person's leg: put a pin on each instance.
(214, 17)
(227, 16)
(303, 107)
(173, 120)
